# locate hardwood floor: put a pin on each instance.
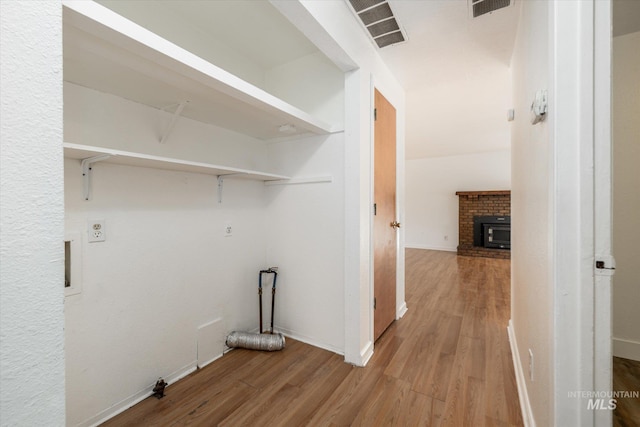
(626, 377)
(447, 362)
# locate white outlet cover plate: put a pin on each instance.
(96, 231)
(228, 229)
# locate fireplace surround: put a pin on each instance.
(484, 223)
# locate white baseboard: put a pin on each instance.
(307, 340)
(366, 353)
(208, 362)
(430, 247)
(525, 405)
(626, 348)
(136, 398)
(401, 311)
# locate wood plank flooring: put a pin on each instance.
(447, 362)
(626, 377)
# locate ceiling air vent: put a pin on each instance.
(480, 7)
(377, 18)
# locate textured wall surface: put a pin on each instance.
(31, 215)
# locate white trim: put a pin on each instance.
(366, 353)
(210, 361)
(429, 247)
(308, 340)
(302, 180)
(627, 349)
(75, 248)
(354, 280)
(577, 336)
(129, 158)
(306, 23)
(525, 404)
(371, 147)
(402, 310)
(136, 398)
(603, 202)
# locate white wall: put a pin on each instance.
(531, 230)
(555, 301)
(432, 205)
(305, 238)
(462, 114)
(311, 83)
(626, 222)
(104, 120)
(31, 215)
(305, 230)
(165, 268)
(338, 21)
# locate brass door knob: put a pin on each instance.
(395, 224)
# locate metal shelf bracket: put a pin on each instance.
(86, 173)
(221, 183)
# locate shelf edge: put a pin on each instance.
(109, 26)
(79, 152)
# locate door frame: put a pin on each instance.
(580, 122)
(603, 209)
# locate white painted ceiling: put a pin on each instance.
(455, 71)
(445, 43)
(454, 68)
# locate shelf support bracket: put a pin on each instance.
(221, 183)
(173, 121)
(86, 167)
(220, 186)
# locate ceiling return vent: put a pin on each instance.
(481, 7)
(377, 18)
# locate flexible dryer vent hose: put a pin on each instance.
(265, 342)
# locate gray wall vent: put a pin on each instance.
(481, 7)
(377, 18)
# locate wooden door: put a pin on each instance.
(384, 232)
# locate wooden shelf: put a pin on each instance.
(82, 152)
(109, 53)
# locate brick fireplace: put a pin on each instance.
(481, 204)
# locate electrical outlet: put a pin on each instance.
(97, 231)
(530, 365)
(228, 229)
